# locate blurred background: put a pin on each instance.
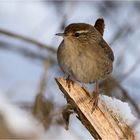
(30, 101)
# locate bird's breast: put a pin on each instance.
(83, 65)
(66, 57)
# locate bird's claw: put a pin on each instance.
(69, 82)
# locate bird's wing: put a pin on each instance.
(107, 49)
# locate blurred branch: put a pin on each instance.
(124, 30)
(131, 70)
(27, 39)
(26, 52)
(43, 82)
(109, 86)
(101, 124)
(43, 107)
(132, 102)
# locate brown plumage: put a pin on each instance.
(99, 25)
(84, 55)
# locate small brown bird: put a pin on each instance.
(84, 55)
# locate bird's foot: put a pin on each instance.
(69, 82)
(94, 100)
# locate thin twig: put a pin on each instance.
(131, 70)
(126, 95)
(43, 107)
(132, 102)
(26, 52)
(43, 82)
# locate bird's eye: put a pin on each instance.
(76, 34)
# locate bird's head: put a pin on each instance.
(78, 32)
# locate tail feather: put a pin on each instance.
(99, 25)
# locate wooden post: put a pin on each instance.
(101, 124)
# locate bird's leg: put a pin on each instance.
(69, 82)
(68, 77)
(95, 96)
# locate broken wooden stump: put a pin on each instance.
(101, 124)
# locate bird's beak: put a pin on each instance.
(60, 34)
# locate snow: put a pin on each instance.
(19, 77)
(23, 124)
(123, 112)
(19, 122)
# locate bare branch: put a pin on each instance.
(27, 52)
(27, 39)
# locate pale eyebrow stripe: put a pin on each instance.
(82, 31)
